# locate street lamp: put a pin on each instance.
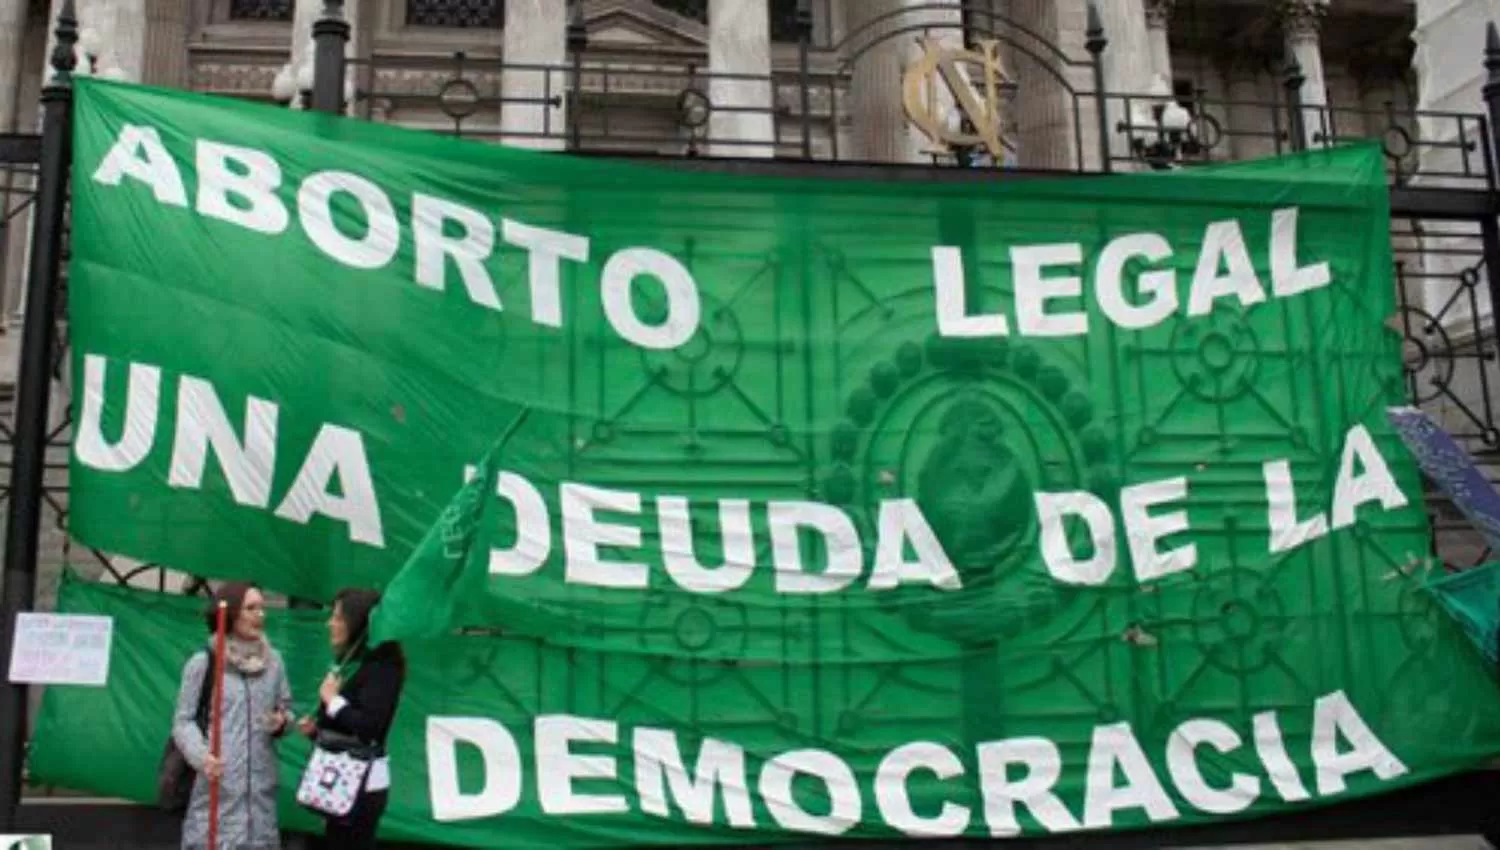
(292, 86)
(293, 83)
(88, 48)
(304, 79)
(1174, 135)
(95, 58)
(284, 86)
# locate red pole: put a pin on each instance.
(216, 733)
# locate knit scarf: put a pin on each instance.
(246, 656)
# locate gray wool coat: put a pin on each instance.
(247, 791)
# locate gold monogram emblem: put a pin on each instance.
(978, 102)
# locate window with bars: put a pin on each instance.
(695, 9)
(784, 21)
(456, 14)
(783, 15)
(260, 10)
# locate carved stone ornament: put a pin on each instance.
(260, 10)
(1159, 13)
(232, 77)
(1302, 18)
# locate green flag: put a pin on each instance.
(852, 500)
(422, 600)
(1472, 597)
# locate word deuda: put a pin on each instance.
(575, 774)
(575, 523)
(244, 187)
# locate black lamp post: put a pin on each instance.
(39, 334)
(578, 43)
(330, 38)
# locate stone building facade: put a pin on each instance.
(1224, 60)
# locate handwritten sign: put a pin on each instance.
(61, 649)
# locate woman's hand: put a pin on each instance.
(308, 727)
(212, 767)
(329, 688)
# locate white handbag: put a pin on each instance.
(333, 779)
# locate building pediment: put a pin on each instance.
(641, 23)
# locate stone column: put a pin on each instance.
(841, 111)
(354, 13)
(881, 132)
(304, 13)
(1249, 121)
(166, 59)
(1301, 24)
(739, 44)
(1450, 44)
(124, 54)
(1046, 124)
(1158, 23)
(1127, 58)
(536, 35)
(828, 22)
(1127, 63)
(1211, 105)
(12, 30)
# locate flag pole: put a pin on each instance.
(215, 727)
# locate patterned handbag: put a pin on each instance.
(335, 775)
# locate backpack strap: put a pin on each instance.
(205, 692)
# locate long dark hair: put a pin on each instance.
(355, 604)
(232, 593)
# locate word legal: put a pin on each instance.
(1044, 287)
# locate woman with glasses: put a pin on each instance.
(256, 710)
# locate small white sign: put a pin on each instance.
(61, 649)
(25, 842)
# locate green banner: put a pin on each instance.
(825, 507)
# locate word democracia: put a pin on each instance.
(576, 524)
(1024, 784)
(243, 186)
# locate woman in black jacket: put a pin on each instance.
(364, 706)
